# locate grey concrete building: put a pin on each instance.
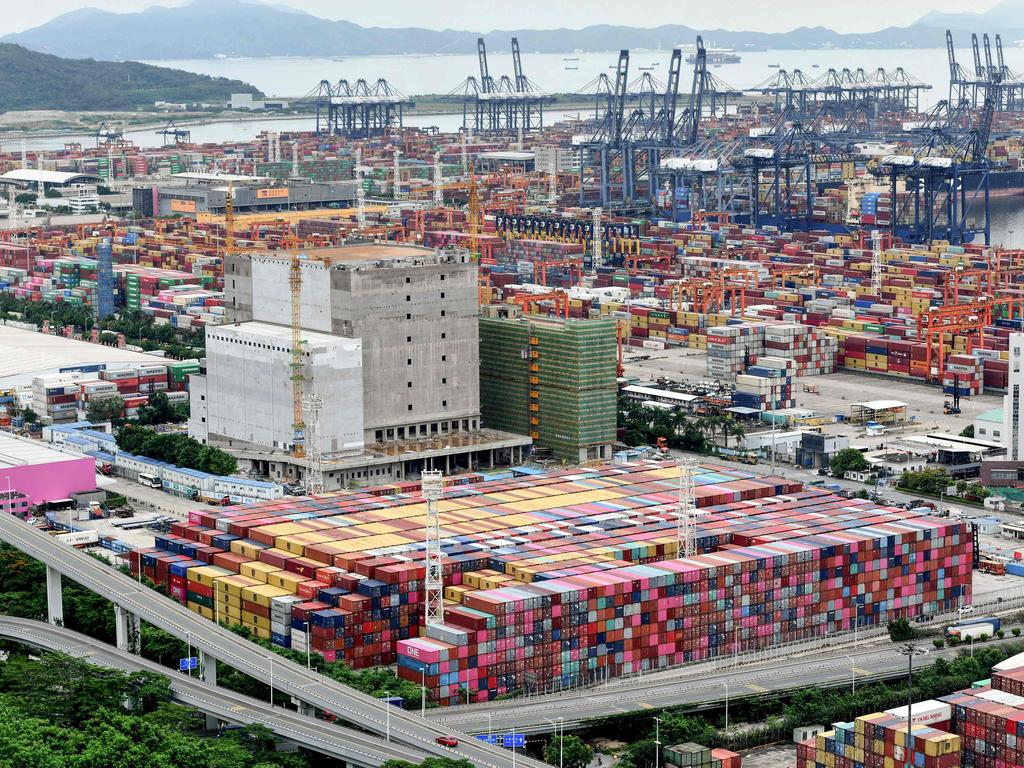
(415, 312)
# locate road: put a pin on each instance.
(353, 746)
(214, 641)
(699, 688)
(153, 498)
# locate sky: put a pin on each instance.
(485, 15)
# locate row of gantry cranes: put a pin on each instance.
(648, 148)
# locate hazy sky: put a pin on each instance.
(484, 15)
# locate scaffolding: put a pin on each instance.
(553, 380)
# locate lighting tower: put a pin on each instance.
(315, 468)
(229, 222)
(596, 241)
(438, 191)
(360, 192)
(464, 148)
(876, 262)
(432, 484)
(552, 185)
(686, 510)
(398, 176)
(295, 159)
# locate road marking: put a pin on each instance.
(645, 705)
(860, 671)
(757, 688)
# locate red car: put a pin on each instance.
(447, 741)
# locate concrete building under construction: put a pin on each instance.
(551, 379)
(404, 316)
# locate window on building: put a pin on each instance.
(408, 384)
(408, 316)
(410, 406)
(444, 380)
(444, 358)
(444, 403)
(442, 313)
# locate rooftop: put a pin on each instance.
(35, 176)
(25, 353)
(278, 332)
(995, 414)
(20, 452)
(358, 253)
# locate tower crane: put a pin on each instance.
(474, 215)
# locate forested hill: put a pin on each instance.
(40, 81)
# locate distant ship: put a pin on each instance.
(717, 56)
(570, 59)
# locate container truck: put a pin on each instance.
(971, 631)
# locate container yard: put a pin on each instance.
(563, 577)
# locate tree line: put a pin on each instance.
(644, 425)
(175, 448)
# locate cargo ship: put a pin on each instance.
(716, 56)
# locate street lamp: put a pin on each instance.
(387, 716)
(853, 675)
(423, 692)
(910, 651)
(271, 681)
(726, 705)
(856, 621)
(188, 641)
(309, 664)
(972, 646)
(560, 730)
(657, 742)
(488, 724)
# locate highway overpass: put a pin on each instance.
(354, 747)
(133, 601)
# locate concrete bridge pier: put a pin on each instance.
(129, 630)
(54, 597)
(208, 674)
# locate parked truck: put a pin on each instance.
(966, 631)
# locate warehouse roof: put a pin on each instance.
(361, 252)
(882, 405)
(26, 353)
(637, 389)
(213, 177)
(20, 452)
(35, 176)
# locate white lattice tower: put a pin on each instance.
(432, 483)
(876, 262)
(519, 142)
(465, 151)
(438, 179)
(596, 240)
(552, 184)
(686, 510)
(24, 154)
(295, 159)
(398, 176)
(315, 470)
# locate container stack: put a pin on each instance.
(813, 352)
(692, 755)
(55, 397)
(732, 348)
(767, 386)
(881, 740)
(964, 375)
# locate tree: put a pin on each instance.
(900, 631)
(847, 460)
(967, 431)
(26, 198)
(573, 753)
(30, 416)
(105, 409)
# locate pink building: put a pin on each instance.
(33, 474)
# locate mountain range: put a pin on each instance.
(33, 80)
(207, 28)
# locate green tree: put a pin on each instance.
(105, 409)
(569, 751)
(847, 460)
(26, 198)
(900, 631)
(967, 431)
(30, 416)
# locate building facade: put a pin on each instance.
(1011, 433)
(553, 380)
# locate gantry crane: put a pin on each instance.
(967, 319)
(560, 298)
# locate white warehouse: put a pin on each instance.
(245, 399)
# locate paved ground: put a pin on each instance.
(838, 391)
(776, 756)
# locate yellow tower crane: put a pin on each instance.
(229, 222)
(474, 216)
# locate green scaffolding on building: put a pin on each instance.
(552, 379)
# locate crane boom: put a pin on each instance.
(989, 68)
(486, 84)
(517, 66)
(621, 84)
(978, 71)
(671, 94)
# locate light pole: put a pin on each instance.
(488, 724)
(513, 747)
(856, 620)
(387, 716)
(423, 692)
(309, 664)
(188, 641)
(972, 646)
(560, 730)
(657, 742)
(726, 705)
(271, 681)
(853, 675)
(910, 651)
